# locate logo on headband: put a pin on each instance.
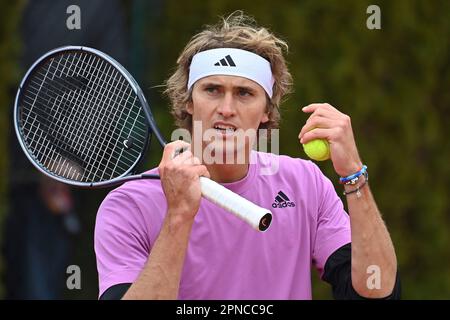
(223, 62)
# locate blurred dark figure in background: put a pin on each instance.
(42, 220)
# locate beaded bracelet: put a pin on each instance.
(353, 178)
(357, 189)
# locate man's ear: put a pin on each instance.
(265, 117)
(190, 107)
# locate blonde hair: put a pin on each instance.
(235, 31)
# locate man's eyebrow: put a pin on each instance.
(246, 88)
(218, 85)
(210, 84)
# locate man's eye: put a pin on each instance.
(244, 93)
(211, 89)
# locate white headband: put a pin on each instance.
(233, 62)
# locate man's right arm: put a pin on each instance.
(160, 278)
(161, 275)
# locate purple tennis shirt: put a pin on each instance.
(227, 259)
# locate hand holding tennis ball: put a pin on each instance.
(317, 149)
(328, 134)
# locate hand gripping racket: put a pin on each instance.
(82, 119)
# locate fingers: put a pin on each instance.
(201, 171)
(326, 117)
(321, 108)
(186, 158)
(317, 133)
(315, 122)
(177, 155)
(182, 158)
(170, 150)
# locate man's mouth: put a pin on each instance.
(225, 128)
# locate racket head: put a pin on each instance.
(81, 118)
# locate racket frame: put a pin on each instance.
(152, 128)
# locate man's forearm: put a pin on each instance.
(160, 279)
(372, 248)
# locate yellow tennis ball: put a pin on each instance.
(317, 149)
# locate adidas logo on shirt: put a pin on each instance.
(226, 62)
(282, 201)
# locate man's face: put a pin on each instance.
(227, 107)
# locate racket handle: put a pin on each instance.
(259, 218)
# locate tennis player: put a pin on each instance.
(160, 240)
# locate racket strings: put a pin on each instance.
(87, 137)
(96, 116)
(32, 127)
(61, 145)
(143, 131)
(69, 130)
(109, 87)
(47, 101)
(59, 89)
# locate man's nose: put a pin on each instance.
(226, 106)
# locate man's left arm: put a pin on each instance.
(372, 249)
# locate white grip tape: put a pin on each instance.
(259, 218)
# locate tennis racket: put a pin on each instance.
(82, 119)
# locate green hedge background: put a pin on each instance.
(9, 77)
(393, 82)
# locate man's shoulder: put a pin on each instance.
(131, 204)
(138, 190)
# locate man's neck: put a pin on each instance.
(227, 172)
(229, 169)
